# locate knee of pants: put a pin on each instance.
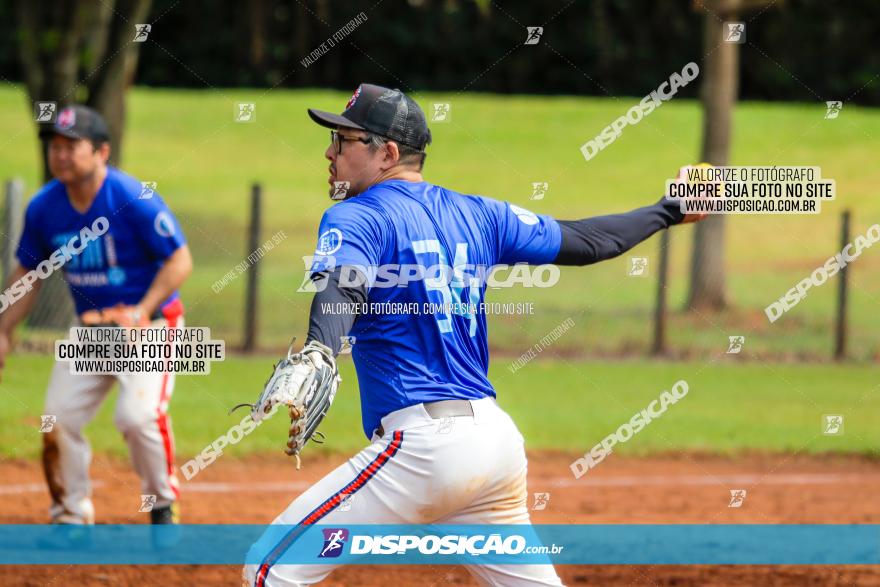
(65, 427)
(127, 420)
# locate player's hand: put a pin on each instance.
(118, 315)
(683, 178)
(5, 345)
(306, 382)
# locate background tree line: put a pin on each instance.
(627, 46)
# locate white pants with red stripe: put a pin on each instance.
(461, 470)
(142, 417)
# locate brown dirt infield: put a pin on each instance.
(672, 489)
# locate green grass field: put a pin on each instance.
(557, 404)
(204, 163)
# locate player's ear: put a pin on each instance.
(392, 154)
(103, 151)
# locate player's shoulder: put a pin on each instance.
(123, 186)
(367, 206)
(48, 197)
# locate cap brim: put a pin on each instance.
(52, 131)
(331, 120)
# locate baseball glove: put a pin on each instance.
(306, 382)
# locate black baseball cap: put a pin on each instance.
(78, 122)
(382, 111)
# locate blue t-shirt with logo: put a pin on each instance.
(118, 266)
(403, 353)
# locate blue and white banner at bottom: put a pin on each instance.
(685, 544)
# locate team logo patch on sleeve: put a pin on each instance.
(164, 225)
(525, 216)
(329, 242)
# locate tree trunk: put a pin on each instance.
(72, 51)
(708, 288)
(109, 85)
(51, 37)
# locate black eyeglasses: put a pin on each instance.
(337, 139)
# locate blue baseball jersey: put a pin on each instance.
(117, 267)
(404, 352)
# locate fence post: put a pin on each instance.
(251, 300)
(840, 331)
(53, 308)
(659, 345)
(12, 218)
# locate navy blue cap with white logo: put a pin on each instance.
(382, 111)
(78, 122)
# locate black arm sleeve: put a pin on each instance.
(335, 307)
(591, 240)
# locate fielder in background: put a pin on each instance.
(442, 450)
(124, 258)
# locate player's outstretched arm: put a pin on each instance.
(591, 240)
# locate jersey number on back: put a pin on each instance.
(450, 290)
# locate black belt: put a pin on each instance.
(442, 409)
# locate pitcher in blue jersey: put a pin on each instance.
(400, 273)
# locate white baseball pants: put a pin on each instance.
(459, 470)
(142, 417)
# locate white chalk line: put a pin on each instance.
(743, 480)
